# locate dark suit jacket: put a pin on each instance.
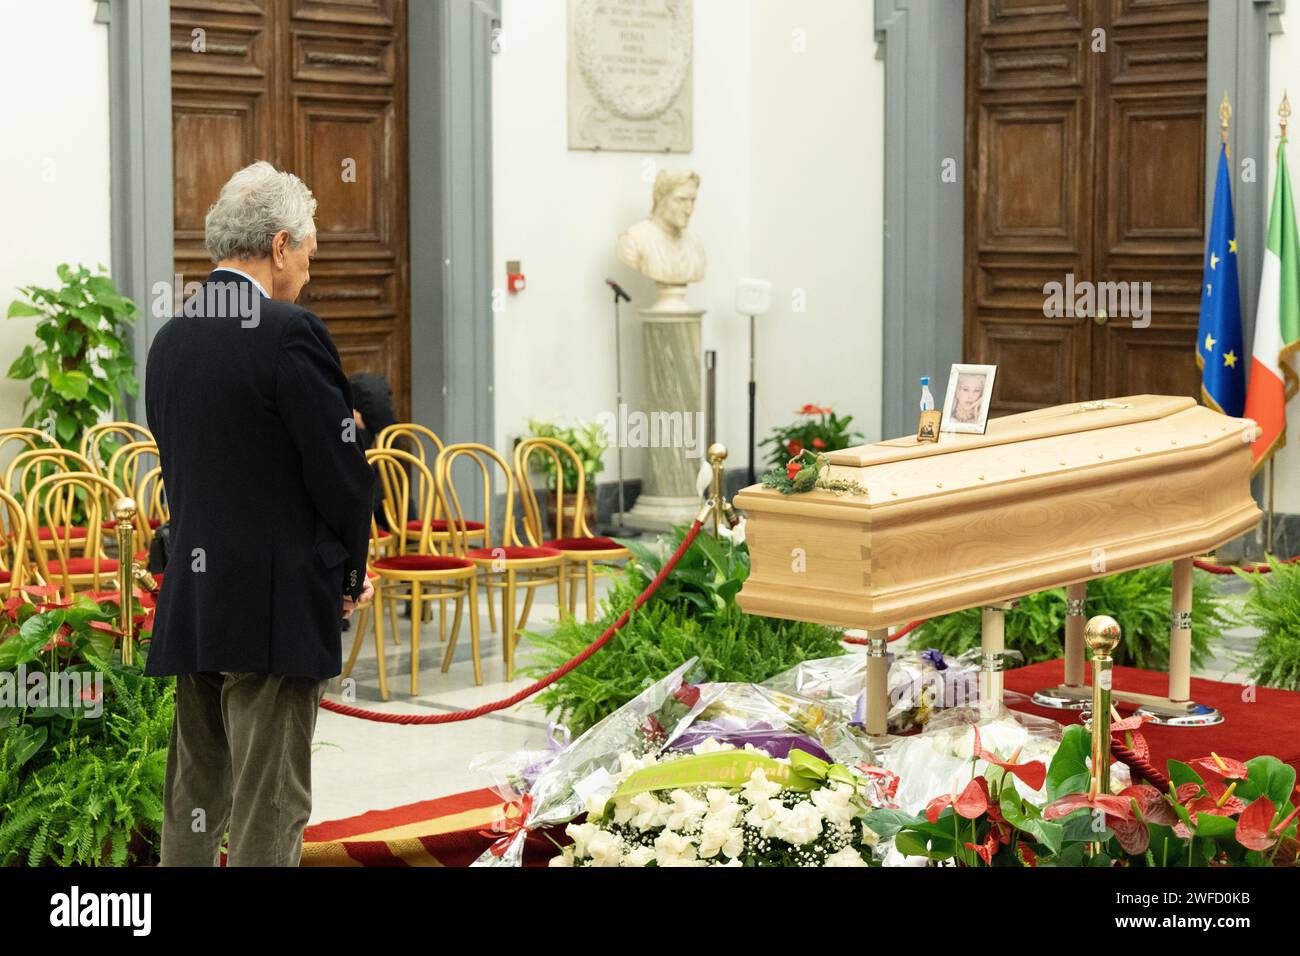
(270, 502)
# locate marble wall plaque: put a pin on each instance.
(629, 75)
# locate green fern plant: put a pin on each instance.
(96, 797)
(1273, 606)
(1138, 600)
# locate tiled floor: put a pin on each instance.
(361, 765)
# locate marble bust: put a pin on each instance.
(659, 246)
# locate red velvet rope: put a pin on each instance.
(1254, 569)
(901, 632)
(1142, 766)
(538, 685)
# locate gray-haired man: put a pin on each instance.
(270, 500)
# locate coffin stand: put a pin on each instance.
(1047, 498)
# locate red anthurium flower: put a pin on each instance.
(688, 694)
(89, 696)
(12, 605)
(1132, 722)
(1223, 796)
(41, 590)
(106, 628)
(145, 598)
(1254, 825)
(1112, 806)
(795, 448)
(1027, 856)
(52, 606)
(814, 410)
(105, 597)
(1220, 768)
(792, 469)
(1151, 804)
(818, 443)
(986, 849)
(969, 804)
(1132, 835)
(1033, 772)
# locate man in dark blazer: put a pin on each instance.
(270, 501)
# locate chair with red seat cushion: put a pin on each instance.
(581, 549)
(15, 565)
(510, 565)
(414, 570)
(68, 559)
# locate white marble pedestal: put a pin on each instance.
(671, 338)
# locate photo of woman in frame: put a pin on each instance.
(970, 392)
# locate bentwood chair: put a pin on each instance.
(427, 446)
(14, 562)
(581, 548)
(128, 470)
(507, 566)
(30, 467)
(69, 560)
(415, 571)
(101, 440)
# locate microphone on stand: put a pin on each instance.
(619, 294)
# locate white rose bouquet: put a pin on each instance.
(725, 807)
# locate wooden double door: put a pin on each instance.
(1085, 159)
(319, 88)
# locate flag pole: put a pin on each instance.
(1283, 115)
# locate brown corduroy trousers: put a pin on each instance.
(240, 759)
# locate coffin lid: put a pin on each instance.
(1025, 426)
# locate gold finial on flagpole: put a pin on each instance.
(1225, 114)
(1284, 113)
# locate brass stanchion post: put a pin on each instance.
(717, 455)
(124, 514)
(1102, 635)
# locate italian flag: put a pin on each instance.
(1277, 322)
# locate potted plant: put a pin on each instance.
(590, 443)
(818, 429)
(81, 365)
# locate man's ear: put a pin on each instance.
(278, 245)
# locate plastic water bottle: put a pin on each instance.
(927, 400)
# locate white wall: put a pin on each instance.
(1284, 76)
(54, 159)
(790, 165)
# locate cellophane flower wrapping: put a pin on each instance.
(675, 716)
(645, 725)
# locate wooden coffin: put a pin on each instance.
(1043, 498)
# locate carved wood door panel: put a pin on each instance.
(317, 87)
(1085, 133)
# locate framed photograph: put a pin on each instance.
(970, 392)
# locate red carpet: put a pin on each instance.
(441, 832)
(1266, 722)
(445, 831)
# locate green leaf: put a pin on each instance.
(20, 309)
(1068, 771)
(66, 426)
(27, 740)
(71, 385)
(1180, 773)
(1268, 777)
(24, 366)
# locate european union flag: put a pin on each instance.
(1219, 334)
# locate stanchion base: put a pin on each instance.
(1064, 697)
(1195, 715)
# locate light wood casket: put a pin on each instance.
(1042, 499)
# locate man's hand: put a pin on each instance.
(350, 605)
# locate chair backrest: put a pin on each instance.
(557, 453)
(25, 438)
(97, 436)
(14, 560)
(51, 503)
(405, 481)
(29, 467)
(127, 470)
(152, 499)
(419, 441)
(483, 459)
